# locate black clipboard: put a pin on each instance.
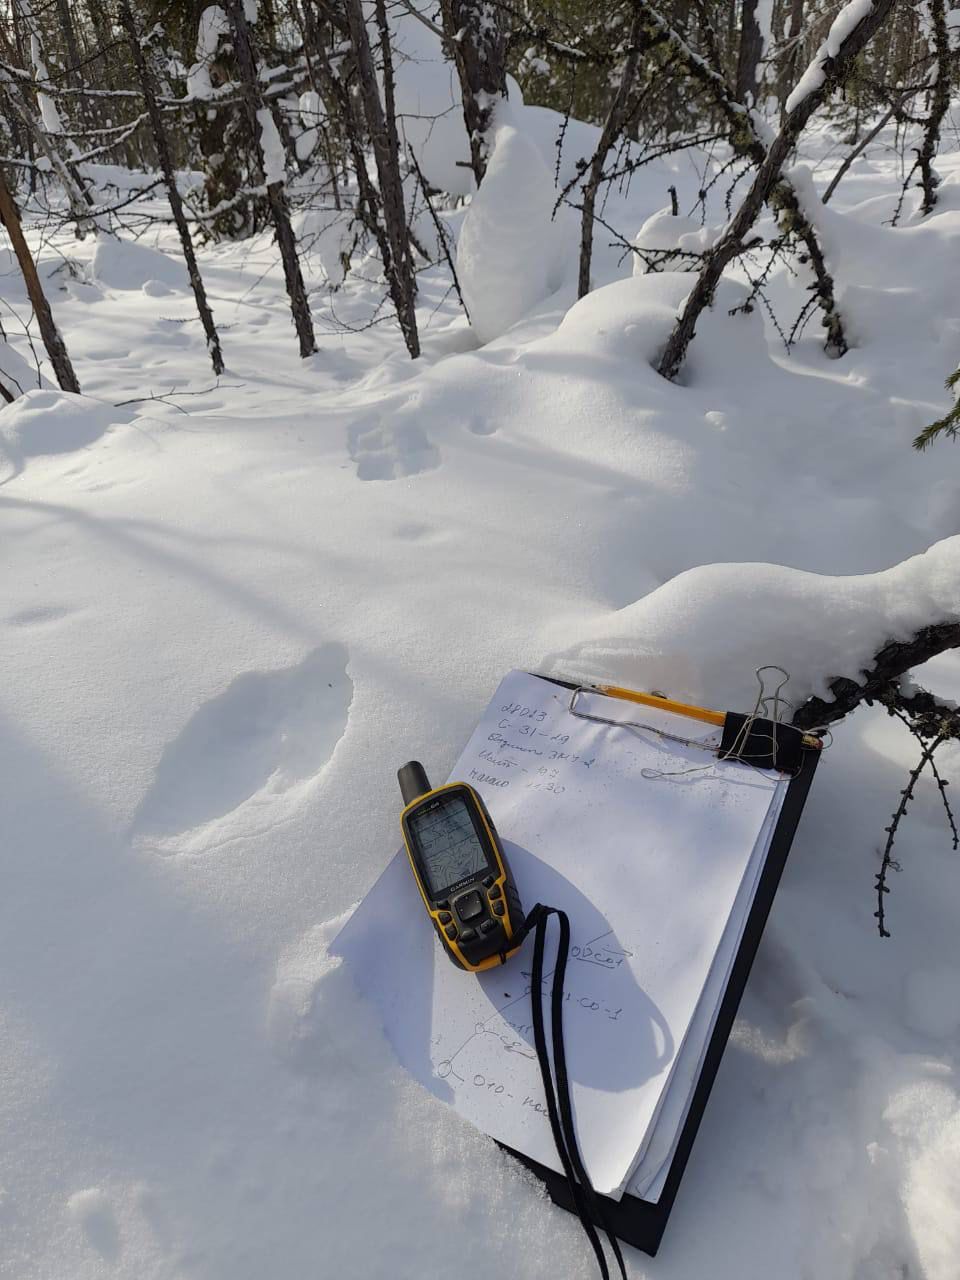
(641, 1223)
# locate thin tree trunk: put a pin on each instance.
(865, 142)
(783, 198)
(748, 55)
(56, 348)
(939, 105)
(788, 64)
(65, 20)
(169, 177)
(259, 114)
(49, 111)
(386, 151)
(77, 197)
(474, 31)
(612, 127)
(768, 176)
(21, 61)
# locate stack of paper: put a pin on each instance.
(654, 850)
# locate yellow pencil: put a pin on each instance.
(664, 704)
(678, 708)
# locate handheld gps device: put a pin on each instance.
(460, 870)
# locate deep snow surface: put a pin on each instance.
(223, 629)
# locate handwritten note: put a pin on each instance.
(648, 845)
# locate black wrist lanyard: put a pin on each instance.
(588, 1205)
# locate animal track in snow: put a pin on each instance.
(481, 426)
(39, 615)
(93, 1212)
(383, 452)
(267, 731)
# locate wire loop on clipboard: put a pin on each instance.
(703, 743)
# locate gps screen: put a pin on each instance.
(447, 844)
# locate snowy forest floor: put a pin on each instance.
(225, 622)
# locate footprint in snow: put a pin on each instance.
(481, 426)
(93, 1212)
(39, 615)
(387, 452)
(267, 731)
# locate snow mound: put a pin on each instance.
(701, 635)
(628, 322)
(122, 264)
(508, 249)
(43, 422)
(630, 319)
(664, 233)
(325, 241)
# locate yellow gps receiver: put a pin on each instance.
(460, 869)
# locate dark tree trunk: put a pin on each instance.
(382, 129)
(939, 105)
(72, 52)
(747, 142)
(329, 88)
(475, 34)
(767, 178)
(612, 127)
(148, 86)
(56, 348)
(748, 56)
(279, 210)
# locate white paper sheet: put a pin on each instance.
(648, 1177)
(649, 871)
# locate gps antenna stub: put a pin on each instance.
(413, 781)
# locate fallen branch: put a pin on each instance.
(166, 397)
(892, 663)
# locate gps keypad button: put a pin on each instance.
(469, 906)
(499, 908)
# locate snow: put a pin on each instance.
(932, 998)
(428, 101)
(213, 24)
(764, 19)
(850, 16)
(16, 373)
(125, 264)
(44, 422)
(274, 162)
(508, 251)
(227, 619)
(310, 113)
(663, 232)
